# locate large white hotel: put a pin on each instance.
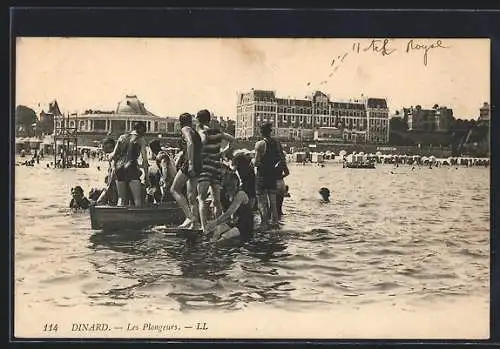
(364, 120)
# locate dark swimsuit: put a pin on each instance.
(243, 215)
(270, 169)
(127, 168)
(184, 161)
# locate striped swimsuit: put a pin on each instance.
(211, 160)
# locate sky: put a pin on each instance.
(174, 75)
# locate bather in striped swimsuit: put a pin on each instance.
(211, 167)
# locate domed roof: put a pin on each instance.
(131, 105)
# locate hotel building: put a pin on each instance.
(363, 120)
(435, 119)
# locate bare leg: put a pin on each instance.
(217, 201)
(176, 190)
(263, 208)
(202, 197)
(137, 192)
(192, 193)
(279, 204)
(274, 208)
(121, 188)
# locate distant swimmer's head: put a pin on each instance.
(140, 127)
(108, 145)
(203, 117)
(266, 129)
(186, 119)
(325, 194)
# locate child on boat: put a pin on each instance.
(109, 194)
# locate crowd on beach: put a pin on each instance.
(220, 190)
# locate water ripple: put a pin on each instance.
(414, 235)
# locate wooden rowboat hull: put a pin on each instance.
(116, 217)
(368, 166)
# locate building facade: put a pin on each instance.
(435, 119)
(364, 120)
(120, 120)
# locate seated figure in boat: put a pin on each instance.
(161, 176)
(128, 149)
(109, 194)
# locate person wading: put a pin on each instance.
(188, 172)
(212, 168)
(271, 164)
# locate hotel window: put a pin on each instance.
(285, 118)
(293, 119)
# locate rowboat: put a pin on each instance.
(115, 217)
(359, 165)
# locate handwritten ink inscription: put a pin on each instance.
(413, 45)
(380, 46)
(386, 47)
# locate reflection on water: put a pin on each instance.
(419, 235)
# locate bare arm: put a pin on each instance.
(111, 179)
(145, 162)
(190, 146)
(241, 198)
(260, 149)
(286, 171)
(227, 139)
(114, 153)
(168, 171)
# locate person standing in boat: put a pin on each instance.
(212, 168)
(270, 163)
(161, 174)
(128, 149)
(189, 168)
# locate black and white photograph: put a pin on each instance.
(327, 188)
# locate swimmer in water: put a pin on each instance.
(325, 195)
(78, 199)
